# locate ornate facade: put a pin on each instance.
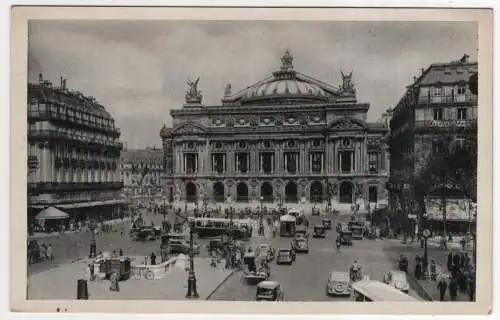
(73, 152)
(286, 138)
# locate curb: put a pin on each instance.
(220, 284)
(419, 289)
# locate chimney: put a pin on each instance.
(40, 78)
(64, 84)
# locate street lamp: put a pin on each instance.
(93, 244)
(192, 291)
(426, 234)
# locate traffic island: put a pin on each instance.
(61, 283)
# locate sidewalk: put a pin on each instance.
(61, 283)
(427, 288)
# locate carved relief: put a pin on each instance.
(217, 122)
(230, 122)
(278, 121)
(346, 125)
(266, 121)
(291, 119)
(254, 121)
(359, 188)
(189, 128)
(193, 95)
(373, 143)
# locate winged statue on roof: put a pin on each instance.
(193, 94)
(347, 84)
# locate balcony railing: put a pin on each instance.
(55, 134)
(446, 123)
(448, 99)
(48, 114)
(73, 186)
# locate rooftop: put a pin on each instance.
(44, 90)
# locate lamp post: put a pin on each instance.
(93, 244)
(205, 205)
(192, 291)
(426, 234)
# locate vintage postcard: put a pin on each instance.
(175, 159)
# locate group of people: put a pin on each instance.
(462, 277)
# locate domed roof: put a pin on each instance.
(284, 86)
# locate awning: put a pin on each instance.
(456, 209)
(52, 213)
(81, 204)
(91, 204)
(288, 218)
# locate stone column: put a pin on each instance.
(340, 161)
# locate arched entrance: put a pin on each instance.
(345, 192)
(190, 192)
(218, 191)
(242, 192)
(316, 192)
(291, 192)
(266, 192)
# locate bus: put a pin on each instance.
(376, 291)
(215, 227)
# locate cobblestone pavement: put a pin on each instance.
(305, 280)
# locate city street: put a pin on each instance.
(72, 246)
(306, 278)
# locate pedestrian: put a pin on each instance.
(462, 282)
(450, 261)
(153, 258)
(471, 286)
(121, 253)
(453, 288)
(442, 286)
(338, 242)
(418, 270)
(49, 253)
(462, 243)
(466, 261)
(462, 260)
(92, 271)
(433, 270)
(456, 260)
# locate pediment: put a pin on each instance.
(347, 125)
(190, 128)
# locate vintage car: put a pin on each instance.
(345, 235)
(256, 269)
(315, 211)
(181, 246)
(269, 291)
(145, 233)
(338, 283)
(398, 280)
(327, 223)
(300, 244)
(285, 256)
(302, 231)
(319, 231)
(265, 250)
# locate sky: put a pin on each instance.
(139, 69)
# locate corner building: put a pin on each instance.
(73, 153)
(286, 138)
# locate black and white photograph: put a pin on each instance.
(252, 160)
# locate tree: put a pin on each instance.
(451, 168)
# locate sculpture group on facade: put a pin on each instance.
(193, 95)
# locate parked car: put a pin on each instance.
(269, 291)
(398, 280)
(327, 223)
(285, 256)
(338, 283)
(182, 246)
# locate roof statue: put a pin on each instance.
(347, 85)
(227, 90)
(286, 61)
(193, 95)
